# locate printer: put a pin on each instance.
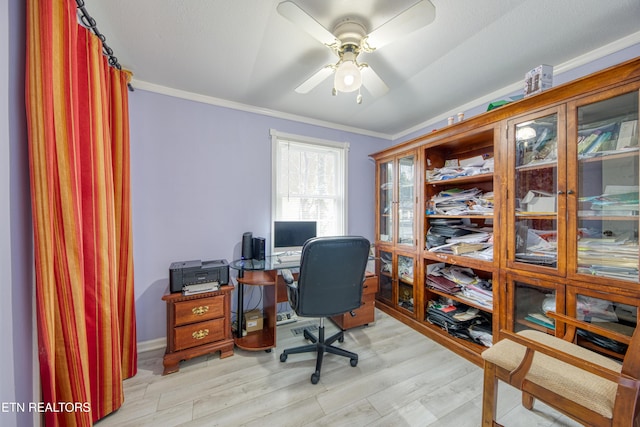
(184, 273)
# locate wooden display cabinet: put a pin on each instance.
(566, 210)
(197, 325)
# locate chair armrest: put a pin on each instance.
(575, 323)
(287, 276)
(292, 288)
(578, 362)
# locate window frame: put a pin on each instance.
(341, 147)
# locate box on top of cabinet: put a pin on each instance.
(538, 79)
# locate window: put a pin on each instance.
(309, 182)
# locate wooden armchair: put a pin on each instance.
(582, 384)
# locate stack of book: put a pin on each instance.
(608, 137)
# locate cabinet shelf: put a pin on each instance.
(480, 215)
(591, 346)
(537, 166)
(460, 298)
(471, 262)
(608, 218)
(625, 154)
(476, 348)
(463, 180)
(537, 215)
(530, 325)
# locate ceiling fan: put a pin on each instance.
(348, 39)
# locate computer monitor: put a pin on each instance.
(289, 236)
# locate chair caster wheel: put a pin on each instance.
(315, 377)
(341, 339)
(268, 350)
(283, 357)
(354, 362)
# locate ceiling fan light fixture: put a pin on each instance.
(347, 77)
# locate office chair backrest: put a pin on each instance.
(331, 275)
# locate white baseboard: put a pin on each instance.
(151, 344)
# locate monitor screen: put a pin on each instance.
(291, 235)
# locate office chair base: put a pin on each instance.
(321, 346)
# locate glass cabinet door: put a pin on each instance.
(615, 313)
(406, 268)
(535, 186)
(385, 201)
(605, 149)
(406, 200)
(530, 300)
(385, 275)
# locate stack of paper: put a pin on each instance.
(457, 201)
(469, 167)
(460, 281)
(609, 257)
(613, 203)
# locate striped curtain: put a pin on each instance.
(77, 118)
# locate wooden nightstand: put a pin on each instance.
(197, 325)
(366, 313)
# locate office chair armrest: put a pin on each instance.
(287, 276)
(292, 287)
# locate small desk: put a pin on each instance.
(261, 273)
(265, 273)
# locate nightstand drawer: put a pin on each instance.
(198, 310)
(198, 334)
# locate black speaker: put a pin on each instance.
(247, 245)
(258, 248)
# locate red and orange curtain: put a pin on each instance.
(77, 117)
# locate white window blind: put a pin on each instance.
(309, 182)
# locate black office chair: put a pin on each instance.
(330, 283)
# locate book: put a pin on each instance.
(540, 319)
(599, 144)
(584, 145)
(627, 136)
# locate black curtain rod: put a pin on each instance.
(90, 23)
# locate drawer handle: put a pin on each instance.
(199, 311)
(198, 335)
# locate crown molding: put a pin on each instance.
(191, 96)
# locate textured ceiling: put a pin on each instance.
(245, 53)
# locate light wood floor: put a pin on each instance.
(402, 379)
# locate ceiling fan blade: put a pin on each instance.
(417, 16)
(373, 82)
(293, 13)
(315, 80)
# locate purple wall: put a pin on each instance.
(201, 176)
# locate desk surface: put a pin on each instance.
(272, 262)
